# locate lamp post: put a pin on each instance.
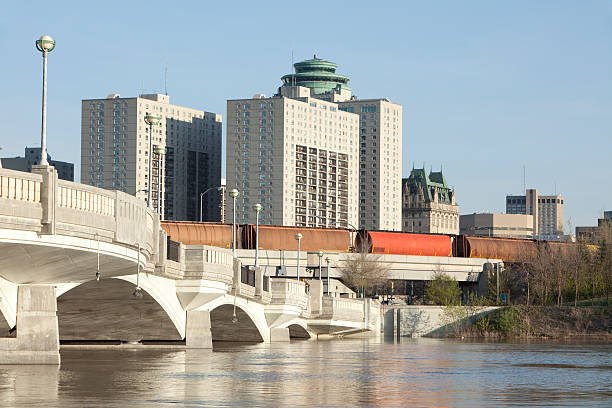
(320, 256)
(327, 260)
(234, 193)
(159, 151)
(257, 208)
(150, 120)
(298, 236)
(201, 199)
(44, 44)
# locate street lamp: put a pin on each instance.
(234, 193)
(201, 197)
(257, 208)
(327, 260)
(45, 44)
(159, 151)
(320, 256)
(150, 120)
(298, 236)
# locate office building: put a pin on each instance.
(32, 155)
(428, 204)
(380, 139)
(115, 153)
(547, 213)
(497, 225)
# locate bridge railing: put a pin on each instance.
(289, 292)
(20, 206)
(40, 202)
(343, 309)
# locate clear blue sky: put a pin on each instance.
(486, 86)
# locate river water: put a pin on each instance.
(420, 372)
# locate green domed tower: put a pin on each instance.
(320, 77)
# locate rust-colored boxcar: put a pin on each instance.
(199, 233)
(398, 243)
(507, 249)
(313, 239)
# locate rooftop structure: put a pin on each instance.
(320, 77)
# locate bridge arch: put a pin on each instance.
(108, 310)
(250, 327)
(298, 329)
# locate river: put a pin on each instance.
(411, 373)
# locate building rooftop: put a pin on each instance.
(419, 181)
(317, 74)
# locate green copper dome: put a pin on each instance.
(318, 75)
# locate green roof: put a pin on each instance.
(420, 180)
(317, 74)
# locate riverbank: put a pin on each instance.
(552, 322)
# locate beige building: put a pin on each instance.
(380, 162)
(547, 213)
(115, 152)
(497, 225)
(428, 204)
(295, 155)
(380, 139)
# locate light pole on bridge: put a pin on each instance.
(44, 44)
(298, 236)
(234, 194)
(257, 208)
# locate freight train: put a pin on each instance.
(346, 240)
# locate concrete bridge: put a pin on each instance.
(58, 237)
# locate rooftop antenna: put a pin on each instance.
(292, 69)
(555, 187)
(166, 80)
(524, 184)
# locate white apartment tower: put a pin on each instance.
(115, 152)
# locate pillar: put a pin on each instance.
(259, 275)
(197, 331)
(37, 340)
(48, 202)
(279, 335)
(316, 296)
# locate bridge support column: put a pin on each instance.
(37, 339)
(197, 333)
(279, 335)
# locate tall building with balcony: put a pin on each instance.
(295, 155)
(380, 139)
(547, 212)
(428, 204)
(115, 153)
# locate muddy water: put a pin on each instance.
(423, 372)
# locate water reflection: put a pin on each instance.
(326, 373)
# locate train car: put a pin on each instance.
(275, 237)
(508, 249)
(199, 233)
(399, 243)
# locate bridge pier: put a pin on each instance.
(197, 333)
(37, 339)
(279, 335)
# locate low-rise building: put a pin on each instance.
(592, 234)
(497, 225)
(65, 170)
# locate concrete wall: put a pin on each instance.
(417, 321)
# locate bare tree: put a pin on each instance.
(363, 271)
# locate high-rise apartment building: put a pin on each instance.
(65, 170)
(380, 162)
(295, 155)
(428, 204)
(380, 139)
(115, 153)
(547, 212)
